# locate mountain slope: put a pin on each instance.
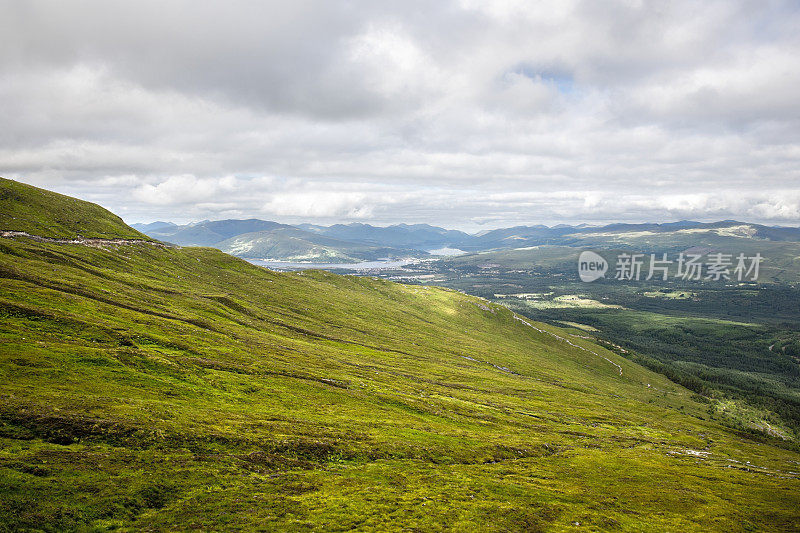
(517, 236)
(153, 226)
(255, 238)
(646, 237)
(149, 388)
(293, 244)
(49, 214)
(210, 233)
(415, 236)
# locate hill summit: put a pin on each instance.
(48, 214)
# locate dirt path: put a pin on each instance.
(567, 341)
(97, 243)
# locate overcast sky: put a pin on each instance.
(467, 114)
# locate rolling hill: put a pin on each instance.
(153, 226)
(48, 214)
(293, 244)
(209, 233)
(409, 236)
(154, 388)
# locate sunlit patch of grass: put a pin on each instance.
(673, 294)
(583, 327)
(568, 301)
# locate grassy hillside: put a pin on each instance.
(49, 214)
(170, 389)
(180, 388)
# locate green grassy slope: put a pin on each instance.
(49, 214)
(169, 389)
(185, 388)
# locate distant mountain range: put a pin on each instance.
(262, 239)
(341, 243)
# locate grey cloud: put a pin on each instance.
(286, 56)
(460, 113)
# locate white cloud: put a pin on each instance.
(500, 113)
(185, 189)
(350, 205)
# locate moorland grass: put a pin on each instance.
(164, 389)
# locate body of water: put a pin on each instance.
(379, 264)
(364, 265)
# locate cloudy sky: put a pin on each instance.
(468, 114)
